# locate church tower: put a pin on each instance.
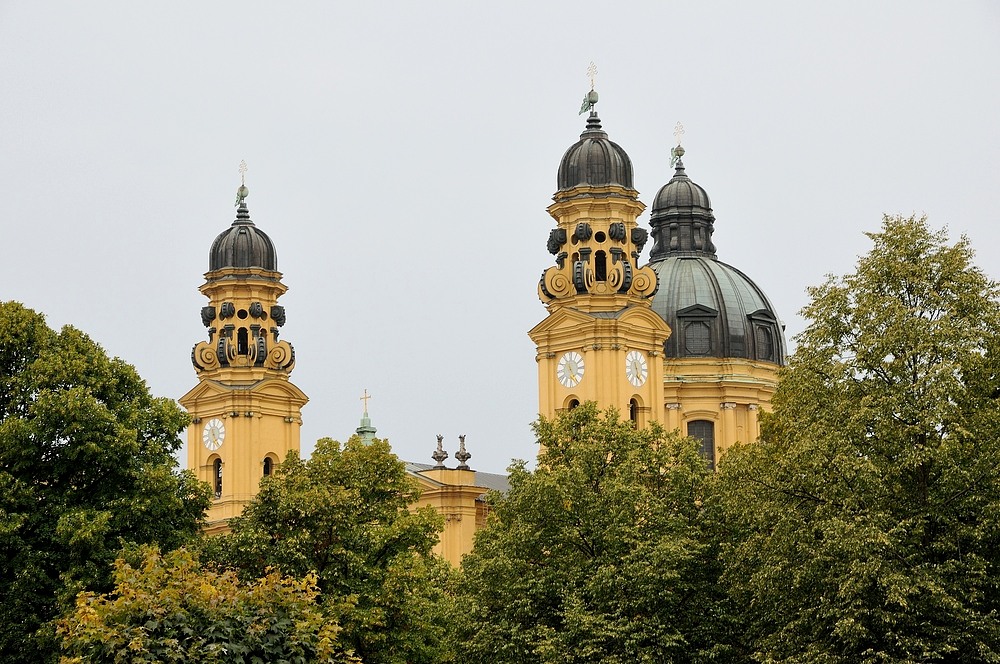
(721, 362)
(245, 413)
(601, 341)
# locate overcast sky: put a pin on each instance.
(401, 156)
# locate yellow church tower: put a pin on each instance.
(245, 413)
(721, 361)
(601, 340)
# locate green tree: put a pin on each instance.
(344, 516)
(169, 609)
(867, 521)
(604, 553)
(86, 466)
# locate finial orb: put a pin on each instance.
(679, 151)
(242, 193)
(592, 97)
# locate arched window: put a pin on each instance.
(217, 475)
(242, 342)
(268, 466)
(704, 431)
(573, 403)
(601, 266)
(633, 411)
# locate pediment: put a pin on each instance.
(208, 390)
(697, 311)
(562, 319)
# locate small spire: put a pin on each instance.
(366, 430)
(439, 454)
(462, 455)
(590, 99)
(242, 192)
(677, 151)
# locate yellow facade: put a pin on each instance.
(457, 498)
(605, 338)
(246, 414)
(601, 341)
(713, 386)
(728, 392)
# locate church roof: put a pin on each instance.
(491, 481)
(713, 309)
(594, 160)
(243, 245)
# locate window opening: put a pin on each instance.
(633, 411)
(704, 431)
(601, 266)
(267, 466)
(218, 477)
(242, 341)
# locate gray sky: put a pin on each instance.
(402, 154)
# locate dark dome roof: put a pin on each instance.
(682, 218)
(714, 310)
(243, 245)
(594, 160)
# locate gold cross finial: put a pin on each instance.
(678, 132)
(365, 398)
(592, 73)
(243, 172)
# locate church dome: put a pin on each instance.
(243, 245)
(594, 160)
(713, 309)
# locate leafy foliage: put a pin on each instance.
(86, 466)
(168, 609)
(605, 553)
(344, 516)
(867, 521)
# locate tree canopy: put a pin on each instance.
(604, 553)
(866, 523)
(86, 466)
(344, 516)
(169, 609)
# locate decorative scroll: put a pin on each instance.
(278, 315)
(257, 310)
(583, 277)
(203, 357)
(617, 231)
(557, 238)
(639, 237)
(583, 231)
(228, 310)
(281, 357)
(620, 276)
(644, 282)
(556, 283)
(207, 315)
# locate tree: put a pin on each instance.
(344, 516)
(169, 609)
(867, 521)
(604, 553)
(86, 466)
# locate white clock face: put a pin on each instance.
(570, 369)
(636, 368)
(214, 434)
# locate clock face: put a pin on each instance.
(570, 369)
(214, 434)
(636, 368)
